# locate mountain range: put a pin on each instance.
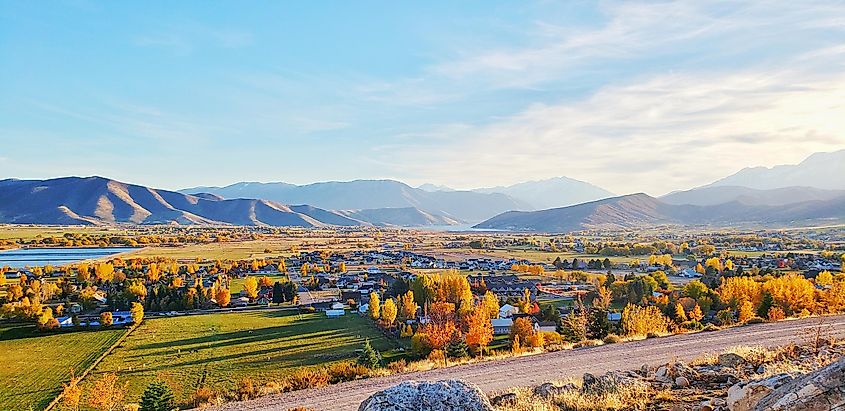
(819, 170)
(97, 200)
(641, 210)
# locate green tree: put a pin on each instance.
(457, 349)
(157, 397)
(369, 356)
(766, 303)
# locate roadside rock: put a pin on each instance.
(731, 360)
(428, 396)
(745, 395)
(681, 382)
(549, 390)
(822, 389)
(508, 399)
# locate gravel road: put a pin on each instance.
(495, 376)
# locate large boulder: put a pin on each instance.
(428, 396)
(823, 389)
(744, 396)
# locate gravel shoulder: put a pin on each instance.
(496, 376)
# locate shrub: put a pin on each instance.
(692, 325)
(436, 356)
(776, 314)
(551, 338)
(308, 378)
(246, 390)
(711, 327)
(612, 339)
(755, 320)
(369, 357)
(420, 346)
(652, 335)
(637, 320)
(397, 366)
(202, 397)
(346, 371)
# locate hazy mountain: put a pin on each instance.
(750, 196)
(820, 170)
(553, 192)
(432, 188)
(374, 194)
(97, 200)
(640, 210)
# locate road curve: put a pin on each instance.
(493, 376)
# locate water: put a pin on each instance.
(34, 257)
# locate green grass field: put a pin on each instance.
(237, 284)
(218, 350)
(33, 366)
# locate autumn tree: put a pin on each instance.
(71, 394)
(524, 303)
(374, 306)
(639, 320)
(223, 297)
(522, 328)
(106, 319)
(45, 320)
(388, 312)
(824, 278)
(479, 330)
(490, 304)
(696, 314)
(251, 287)
(409, 306)
(680, 314)
(106, 394)
(104, 272)
(137, 312)
(440, 327)
(746, 311)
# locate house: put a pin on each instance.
(335, 313)
(547, 326)
(337, 306)
(240, 302)
(689, 273)
(501, 326)
(507, 311)
(614, 317)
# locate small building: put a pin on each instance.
(547, 326)
(501, 326)
(335, 313)
(507, 311)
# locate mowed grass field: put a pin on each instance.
(33, 365)
(217, 350)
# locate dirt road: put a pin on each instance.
(531, 370)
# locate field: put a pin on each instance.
(237, 284)
(33, 232)
(33, 366)
(217, 350)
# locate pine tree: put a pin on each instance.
(765, 304)
(157, 397)
(369, 357)
(457, 349)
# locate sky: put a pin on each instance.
(630, 96)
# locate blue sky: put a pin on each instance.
(652, 96)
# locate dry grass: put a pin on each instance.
(634, 395)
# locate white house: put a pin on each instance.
(507, 311)
(501, 325)
(335, 313)
(337, 306)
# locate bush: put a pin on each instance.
(755, 320)
(369, 357)
(551, 338)
(308, 378)
(776, 314)
(202, 397)
(652, 335)
(246, 390)
(692, 325)
(397, 366)
(612, 339)
(346, 371)
(436, 356)
(637, 320)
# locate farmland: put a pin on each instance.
(217, 350)
(33, 366)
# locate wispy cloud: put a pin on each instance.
(187, 37)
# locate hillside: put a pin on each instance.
(820, 170)
(398, 217)
(553, 192)
(714, 195)
(374, 194)
(641, 210)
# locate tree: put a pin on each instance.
(824, 278)
(766, 303)
(479, 330)
(696, 314)
(522, 328)
(106, 319)
(490, 304)
(409, 306)
(107, 394)
(104, 272)
(251, 287)
(680, 314)
(573, 327)
(746, 311)
(157, 397)
(388, 312)
(137, 312)
(457, 348)
(375, 306)
(639, 320)
(223, 297)
(369, 356)
(440, 328)
(525, 302)
(46, 321)
(71, 394)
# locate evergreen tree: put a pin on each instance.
(765, 304)
(157, 397)
(278, 293)
(369, 356)
(457, 349)
(598, 326)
